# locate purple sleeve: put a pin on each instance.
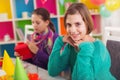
(54, 37)
(41, 57)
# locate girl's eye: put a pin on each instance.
(68, 25)
(37, 23)
(77, 24)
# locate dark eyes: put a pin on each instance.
(68, 25)
(35, 22)
(76, 24)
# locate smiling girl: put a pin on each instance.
(87, 58)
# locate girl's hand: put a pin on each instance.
(86, 38)
(69, 40)
(32, 46)
(18, 55)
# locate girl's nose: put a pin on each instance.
(34, 25)
(72, 29)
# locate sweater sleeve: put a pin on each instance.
(41, 58)
(58, 60)
(83, 69)
(41, 55)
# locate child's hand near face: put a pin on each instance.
(87, 38)
(69, 40)
(75, 44)
(32, 46)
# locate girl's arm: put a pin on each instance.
(58, 59)
(83, 69)
(41, 55)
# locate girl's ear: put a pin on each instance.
(47, 22)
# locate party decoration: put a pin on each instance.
(43, 1)
(104, 12)
(7, 64)
(112, 5)
(89, 4)
(98, 2)
(23, 50)
(61, 2)
(67, 4)
(20, 73)
(33, 76)
(26, 2)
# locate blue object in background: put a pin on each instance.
(22, 7)
(9, 48)
(55, 22)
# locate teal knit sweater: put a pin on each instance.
(90, 62)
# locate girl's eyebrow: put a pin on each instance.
(78, 23)
(68, 23)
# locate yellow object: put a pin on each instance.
(112, 5)
(5, 77)
(5, 8)
(8, 65)
(89, 4)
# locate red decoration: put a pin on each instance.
(1, 60)
(98, 2)
(23, 50)
(33, 76)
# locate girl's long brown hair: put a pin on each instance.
(45, 16)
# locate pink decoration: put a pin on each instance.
(67, 5)
(8, 28)
(50, 5)
(43, 1)
(26, 2)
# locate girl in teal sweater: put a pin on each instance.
(87, 58)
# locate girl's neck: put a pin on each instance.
(44, 32)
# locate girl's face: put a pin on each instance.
(39, 24)
(75, 26)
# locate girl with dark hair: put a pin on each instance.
(42, 39)
(87, 58)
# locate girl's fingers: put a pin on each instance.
(27, 42)
(21, 57)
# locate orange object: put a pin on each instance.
(23, 50)
(62, 28)
(33, 76)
